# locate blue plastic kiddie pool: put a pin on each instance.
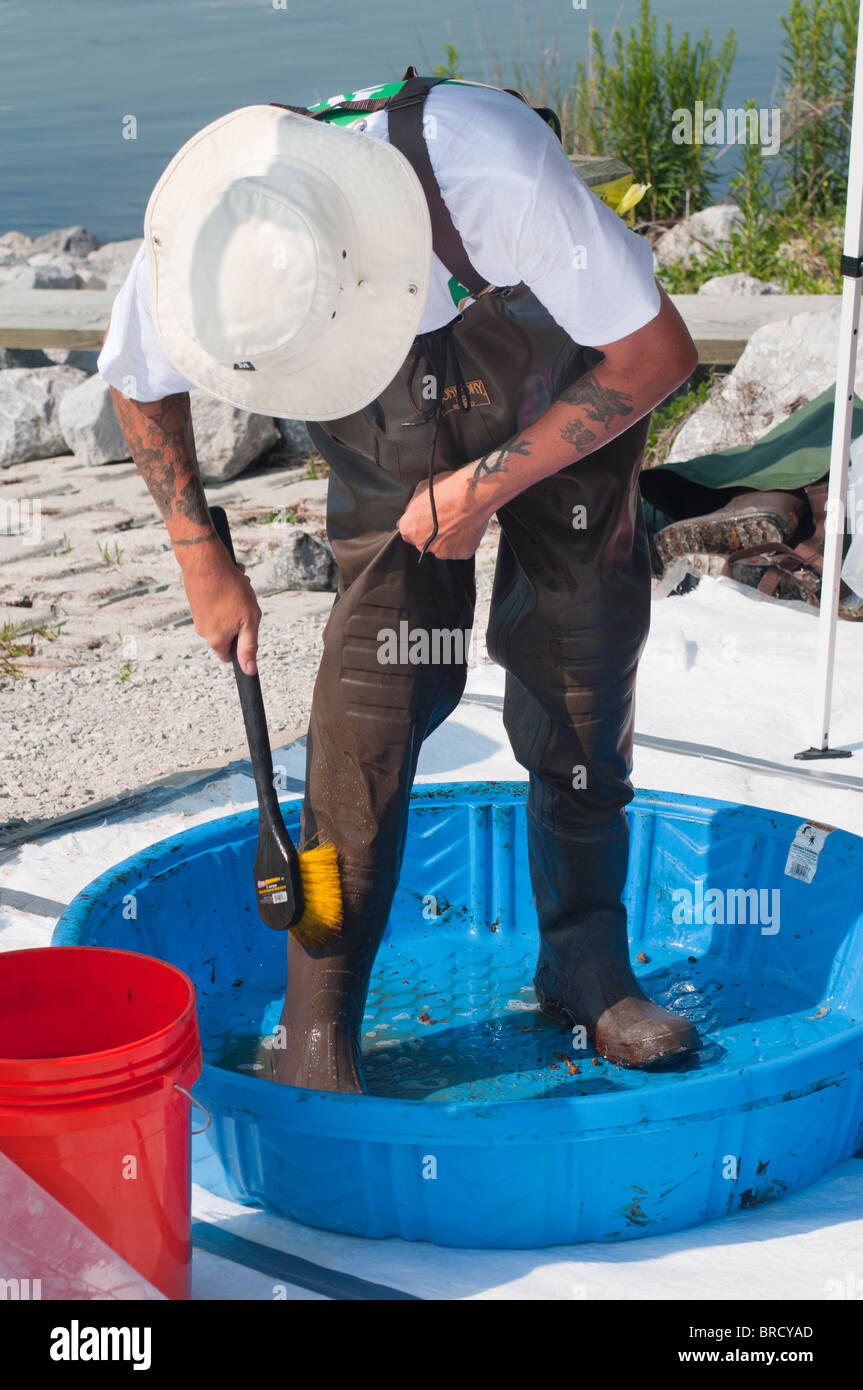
(484, 1125)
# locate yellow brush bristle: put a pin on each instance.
(322, 918)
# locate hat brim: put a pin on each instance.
(394, 252)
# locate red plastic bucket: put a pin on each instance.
(93, 1046)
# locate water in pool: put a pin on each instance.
(477, 1035)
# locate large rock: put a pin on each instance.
(89, 424)
(29, 412)
(87, 277)
(17, 242)
(295, 439)
(55, 275)
(691, 239)
(9, 258)
(111, 262)
(70, 241)
(84, 359)
(784, 365)
(227, 439)
(737, 285)
(47, 274)
(299, 561)
(25, 357)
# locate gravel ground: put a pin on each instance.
(118, 689)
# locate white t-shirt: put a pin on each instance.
(521, 210)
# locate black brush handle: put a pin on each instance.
(251, 702)
(278, 882)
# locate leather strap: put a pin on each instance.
(405, 119)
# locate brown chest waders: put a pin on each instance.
(569, 618)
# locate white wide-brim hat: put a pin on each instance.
(290, 262)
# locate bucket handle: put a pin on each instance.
(202, 1108)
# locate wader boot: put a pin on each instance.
(325, 998)
(583, 974)
(570, 613)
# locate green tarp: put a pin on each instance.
(791, 455)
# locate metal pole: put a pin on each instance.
(852, 268)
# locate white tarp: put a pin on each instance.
(725, 672)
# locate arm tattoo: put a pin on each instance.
(577, 433)
(496, 461)
(600, 403)
(162, 444)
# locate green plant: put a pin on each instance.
(11, 647)
(105, 552)
(753, 248)
(817, 67)
(318, 468)
(124, 672)
(799, 251)
(626, 104)
(450, 67)
(668, 418)
(807, 256)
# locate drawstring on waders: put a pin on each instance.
(438, 348)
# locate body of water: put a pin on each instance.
(72, 73)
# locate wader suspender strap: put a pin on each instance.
(405, 120)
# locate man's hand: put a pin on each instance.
(222, 601)
(462, 521)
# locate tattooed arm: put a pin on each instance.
(594, 402)
(162, 444)
(634, 375)
(161, 441)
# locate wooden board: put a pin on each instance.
(721, 327)
(54, 318)
(596, 169)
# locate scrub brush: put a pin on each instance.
(295, 892)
